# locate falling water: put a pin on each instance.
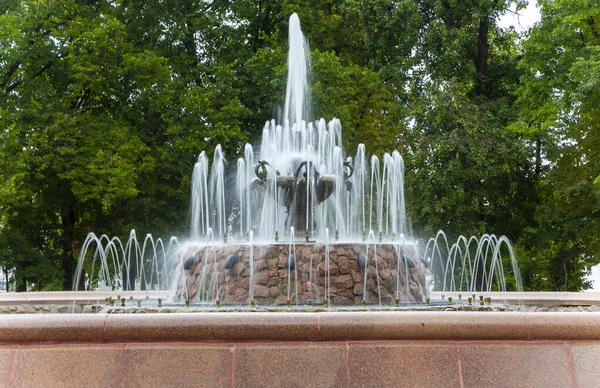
(200, 198)
(217, 187)
(291, 260)
(375, 190)
(297, 96)
(251, 283)
(297, 178)
(479, 260)
(242, 197)
(249, 163)
(327, 269)
(371, 238)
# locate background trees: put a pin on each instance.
(558, 102)
(105, 105)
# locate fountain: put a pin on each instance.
(299, 182)
(304, 224)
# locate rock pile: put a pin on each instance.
(223, 272)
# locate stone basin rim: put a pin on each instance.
(299, 327)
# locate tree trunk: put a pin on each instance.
(21, 285)
(481, 63)
(538, 158)
(69, 263)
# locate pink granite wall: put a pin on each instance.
(301, 349)
(285, 364)
(271, 275)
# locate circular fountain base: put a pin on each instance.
(336, 272)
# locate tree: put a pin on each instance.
(69, 154)
(558, 99)
(105, 106)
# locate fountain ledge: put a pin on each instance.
(349, 349)
(299, 326)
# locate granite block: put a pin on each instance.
(515, 364)
(586, 362)
(565, 326)
(227, 327)
(298, 326)
(28, 328)
(69, 366)
(7, 358)
(291, 365)
(180, 365)
(421, 325)
(400, 364)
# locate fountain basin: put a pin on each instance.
(290, 349)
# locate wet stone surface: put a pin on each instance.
(206, 309)
(40, 309)
(151, 307)
(334, 272)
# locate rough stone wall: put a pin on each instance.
(346, 285)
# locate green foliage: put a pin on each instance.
(558, 99)
(105, 106)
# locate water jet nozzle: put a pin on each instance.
(307, 235)
(288, 303)
(159, 302)
(276, 235)
(380, 236)
(218, 303)
(397, 302)
(252, 304)
(325, 302)
(122, 302)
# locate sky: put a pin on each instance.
(525, 18)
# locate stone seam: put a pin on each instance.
(460, 372)
(571, 364)
(124, 363)
(233, 364)
(348, 362)
(13, 372)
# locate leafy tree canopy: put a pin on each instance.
(105, 106)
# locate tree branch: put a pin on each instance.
(9, 73)
(16, 84)
(592, 22)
